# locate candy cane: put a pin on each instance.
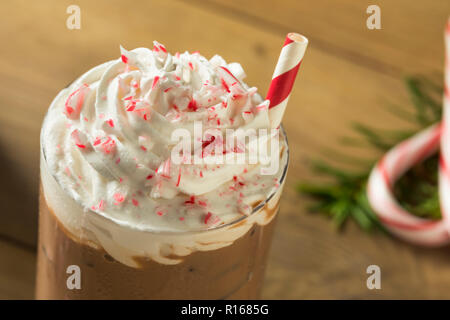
(402, 157)
(284, 76)
(444, 160)
(380, 194)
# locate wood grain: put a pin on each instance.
(17, 271)
(410, 39)
(349, 74)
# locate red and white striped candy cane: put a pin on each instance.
(380, 194)
(402, 157)
(284, 76)
(444, 161)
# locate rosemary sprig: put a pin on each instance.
(345, 197)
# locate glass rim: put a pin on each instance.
(169, 232)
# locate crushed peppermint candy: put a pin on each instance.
(120, 123)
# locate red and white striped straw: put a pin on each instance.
(402, 157)
(284, 76)
(444, 169)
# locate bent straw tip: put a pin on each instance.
(296, 37)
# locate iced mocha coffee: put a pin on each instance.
(137, 223)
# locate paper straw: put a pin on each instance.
(284, 76)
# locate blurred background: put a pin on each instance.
(349, 73)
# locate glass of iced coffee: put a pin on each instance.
(128, 211)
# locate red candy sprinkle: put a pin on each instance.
(135, 202)
(110, 122)
(163, 49)
(164, 169)
(124, 59)
(118, 197)
(69, 110)
(207, 217)
(190, 201)
(97, 141)
(208, 142)
(131, 106)
(109, 145)
(79, 94)
(192, 106)
(179, 177)
(155, 81)
(224, 84)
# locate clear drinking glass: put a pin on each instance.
(87, 262)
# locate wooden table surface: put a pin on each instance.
(348, 74)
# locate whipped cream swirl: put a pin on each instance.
(108, 139)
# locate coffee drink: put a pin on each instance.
(129, 212)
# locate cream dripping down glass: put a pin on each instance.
(119, 219)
